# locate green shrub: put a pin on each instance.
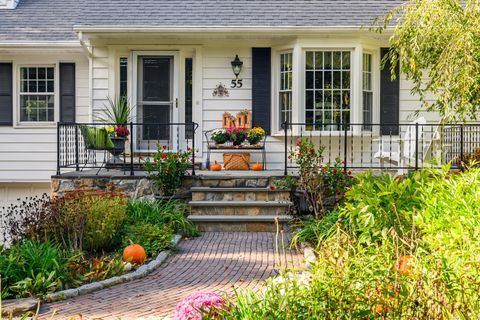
(378, 203)
(87, 219)
(170, 214)
(153, 238)
(33, 268)
(433, 216)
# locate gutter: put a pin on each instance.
(43, 44)
(218, 29)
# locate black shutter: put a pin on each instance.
(261, 88)
(6, 94)
(389, 98)
(67, 92)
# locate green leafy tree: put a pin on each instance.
(437, 44)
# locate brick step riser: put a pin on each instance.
(240, 226)
(239, 211)
(240, 196)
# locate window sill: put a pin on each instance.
(35, 125)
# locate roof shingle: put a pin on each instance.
(53, 20)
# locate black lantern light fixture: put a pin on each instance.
(237, 66)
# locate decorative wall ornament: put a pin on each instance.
(221, 91)
(241, 120)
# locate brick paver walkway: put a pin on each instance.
(212, 262)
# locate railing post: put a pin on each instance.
(345, 147)
(132, 171)
(416, 145)
(461, 147)
(58, 148)
(77, 165)
(193, 148)
(285, 126)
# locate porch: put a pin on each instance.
(86, 149)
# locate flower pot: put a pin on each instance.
(254, 141)
(117, 150)
(301, 202)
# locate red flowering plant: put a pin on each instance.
(237, 135)
(168, 168)
(337, 180)
(318, 181)
(122, 132)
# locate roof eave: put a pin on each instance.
(220, 29)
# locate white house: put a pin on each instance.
(303, 61)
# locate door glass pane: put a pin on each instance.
(156, 75)
(156, 114)
(188, 96)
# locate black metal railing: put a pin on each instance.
(410, 146)
(101, 146)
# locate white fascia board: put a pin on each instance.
(218, 29)
(41, 44)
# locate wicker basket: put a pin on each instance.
(236, 161)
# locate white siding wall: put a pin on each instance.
(28, 154)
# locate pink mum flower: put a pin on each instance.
(189, 308)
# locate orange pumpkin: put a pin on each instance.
(216, 166)
(403, 265)
(134, 253)
(257, 167)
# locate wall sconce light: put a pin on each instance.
(237, 66)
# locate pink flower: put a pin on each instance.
(189, 308)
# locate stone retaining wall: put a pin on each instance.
(141, 186)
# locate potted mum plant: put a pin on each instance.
(255, 135)
(220, 136)
(237, 135)
(168, 169)
(118, 113)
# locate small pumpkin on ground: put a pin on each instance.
(134, 253)
(216, 166)
(404, 265)
(257, 167)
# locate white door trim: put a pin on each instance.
(134, 87)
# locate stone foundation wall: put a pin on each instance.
(141, 187)
(133, 187)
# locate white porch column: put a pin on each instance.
(297, 85)
(356, 107)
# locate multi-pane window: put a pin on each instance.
(285, 93)
(367, 90)
(123, 77)
(327, 89)
(37, 94)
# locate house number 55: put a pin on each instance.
(237, 83)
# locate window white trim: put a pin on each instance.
(16, 98)
(356, 46)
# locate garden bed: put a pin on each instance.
(75, 243)
(396, 248)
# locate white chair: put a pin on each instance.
(406, 150)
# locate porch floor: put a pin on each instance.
(202, 174)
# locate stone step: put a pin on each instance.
(240, 208)
(226, 223)
(239, 194)
(235, 180)
(240, 203)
